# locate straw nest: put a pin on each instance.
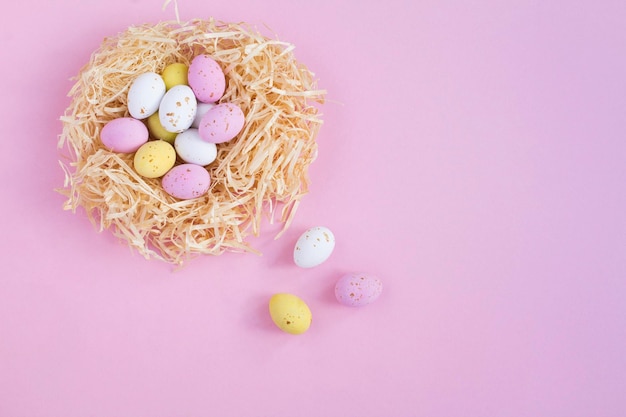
(261, 173)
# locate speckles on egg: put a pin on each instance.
(145, 94)
(177, 110)
(221, 123)
(358, 289)
(206, 78)
(290, 313)
(153, 159)
(186, 181)
(314, 247)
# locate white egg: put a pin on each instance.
(193, 150)
(178, 109)
(145, 95)
(314, 247)
(202, 109)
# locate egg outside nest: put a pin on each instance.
(290, 313)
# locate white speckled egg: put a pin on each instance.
(145, 95)
(314, 247)
(358, 289)
(192, 149)
(178, 109)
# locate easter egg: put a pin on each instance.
(145, 95)
(221, 123)
(192, 149)
(290, 313)
(158, 131)
(200, 112)
(175, 74)
(206, 78)
(358, 289)
(177, 109)
(153, 159)
(124, 135)
(314, 247)
(186, 181)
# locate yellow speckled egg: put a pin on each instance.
(153, 159)
(157, 130)
(175, 74)
(290, 313)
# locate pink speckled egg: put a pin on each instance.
(124, 135)
(221, 123)
(358, 289)
(186, 181)
(206, 79)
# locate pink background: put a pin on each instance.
(473, 156)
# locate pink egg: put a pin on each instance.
(124, 135)
(358, 289)
(206, 79)
(221, 123)
(186, 181)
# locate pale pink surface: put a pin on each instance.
(221, 123)
(186, 181)
(206, 78)
(472, 157)
(124, 135)
(358, 289)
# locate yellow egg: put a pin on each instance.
(158, 131)
(290, 313)
(175, 74)
(153, 159)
